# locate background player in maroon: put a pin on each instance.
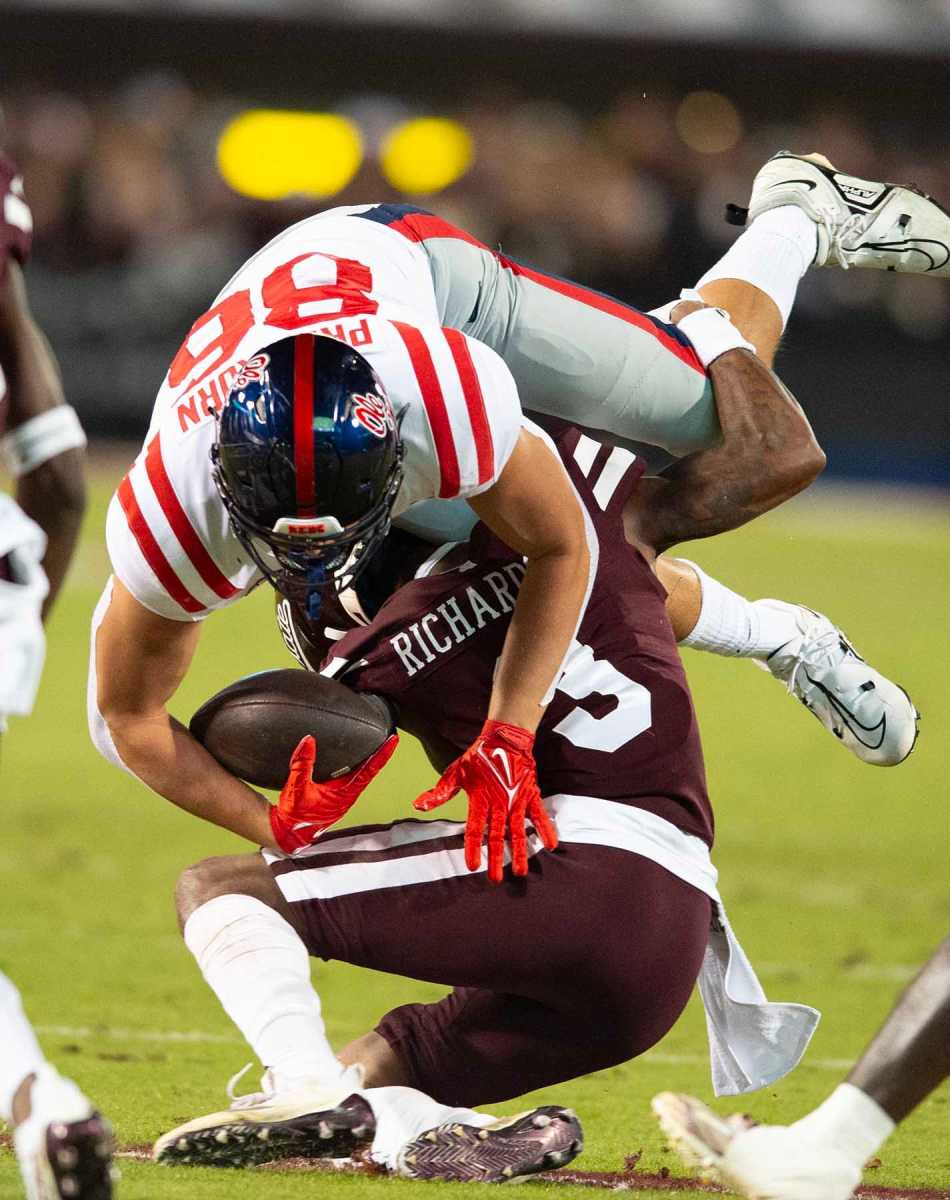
(43, 443)
(62, 1144)
(617, 923)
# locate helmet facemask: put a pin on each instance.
(302, 556)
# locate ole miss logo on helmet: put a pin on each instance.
(251, 371)
(374, 413)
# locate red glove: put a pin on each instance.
(499, 774)
(305, 809)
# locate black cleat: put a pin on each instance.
(540, 1140)
(80, 1159)
(64, 1146)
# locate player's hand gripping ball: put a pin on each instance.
(305, 809)
(253, 726)
(499, 774)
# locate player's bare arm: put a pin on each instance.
(53, 491)
(534, 509)
(768, 454)
(141, 658)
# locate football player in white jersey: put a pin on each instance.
(448, 342)
(63, 1145)
(370, 359)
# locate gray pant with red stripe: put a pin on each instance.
(585, 963)
(575, 353)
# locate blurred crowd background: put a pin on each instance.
(606, 160)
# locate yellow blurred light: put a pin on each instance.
(268, 154)
(426, 154)
(708, 122)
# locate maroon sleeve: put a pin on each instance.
(16, 220)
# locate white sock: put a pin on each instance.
(20, 1053)
(259, 969)
(730, 624)
(772, 254)
(850, 1120)
(403, 1113)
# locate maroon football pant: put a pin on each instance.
(585, 963)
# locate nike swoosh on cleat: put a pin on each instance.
(851, 720)
(809, 183)
(896, 247)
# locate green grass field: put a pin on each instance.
(835, 873)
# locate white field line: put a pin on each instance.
(83, 1033)
(197, 1036)
(866, 972)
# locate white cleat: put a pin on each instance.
(763, 1162)
(64, 1146)
(270, 1125)
(869, 714)
(860, 223)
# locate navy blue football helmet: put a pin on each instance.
(308, 462)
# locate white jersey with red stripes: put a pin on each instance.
(363, 283)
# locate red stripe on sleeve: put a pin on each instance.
(419, 226)
(474, 402)
(181, 526)
(152, 552)
(303, 425)
(605, 304)
(436, 410)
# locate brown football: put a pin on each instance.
(253, 726)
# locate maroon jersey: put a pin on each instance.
(621, 725)
(16, 221)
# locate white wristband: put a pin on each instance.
(712, 333)
(41, 438)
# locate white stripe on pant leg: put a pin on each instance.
(409, 832)
(580, 819)
(347, 879)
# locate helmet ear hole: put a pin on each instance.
(308, 429)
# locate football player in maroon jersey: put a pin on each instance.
(63, 1145)
(462, 340)
(43, 443)
(613, 926)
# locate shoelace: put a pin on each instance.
(815, 651)
(248, 1100)
(838, 230)
(354, 1075)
